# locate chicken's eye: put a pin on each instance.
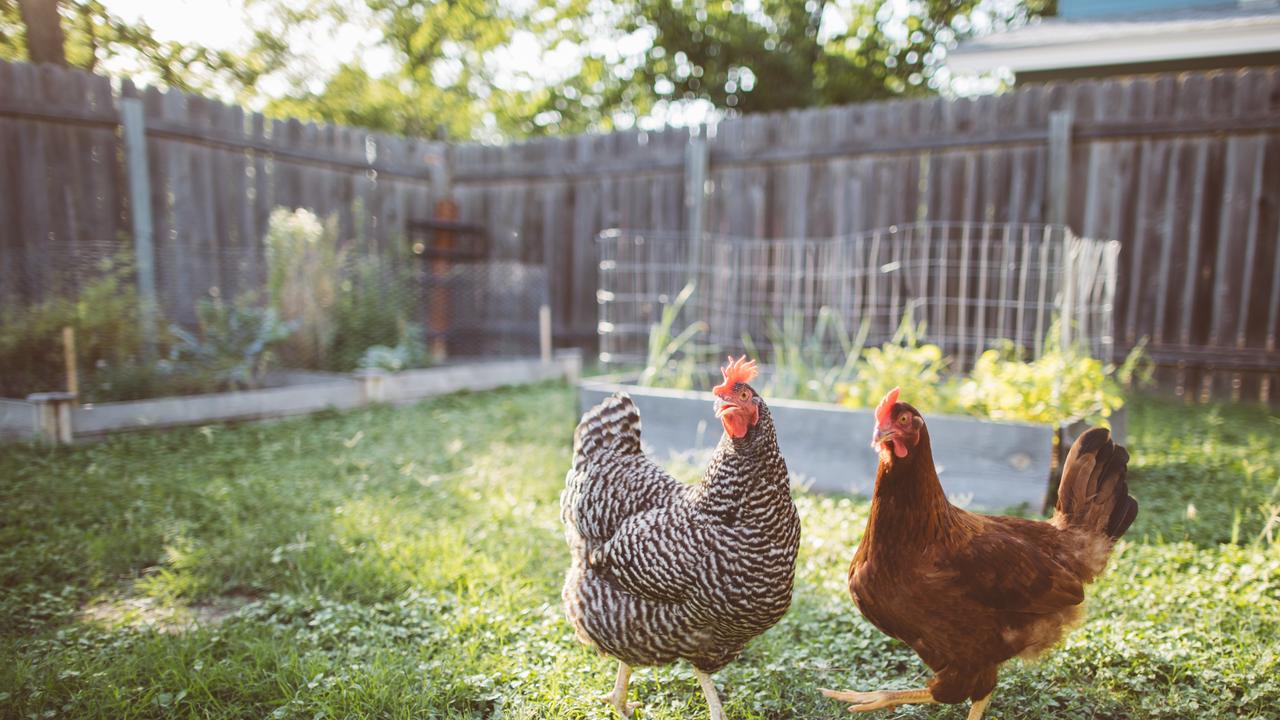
(745, 395)
(904, 418)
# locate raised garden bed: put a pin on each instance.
(57, 417)
(982, 463)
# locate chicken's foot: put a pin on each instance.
(875, 700)
(978, 707)
(618, 698)
(713, 698)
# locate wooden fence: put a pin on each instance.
(210, 174)
(1184, 170)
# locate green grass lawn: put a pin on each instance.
(407, 563)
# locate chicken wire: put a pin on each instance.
(348, 307)
(971, 285)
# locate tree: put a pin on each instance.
(83, 33)
(451, 75)
(779, 54)
(446, 78)
(43, 31)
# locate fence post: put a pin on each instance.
(442, 172)
(440, 301)
(133, 120)
(1066, 315)
(1110, 270)
(373, 385)
(1059, 167)
(696, 159)
(53, 416)
(544, 332)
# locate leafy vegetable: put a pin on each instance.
(234, 343)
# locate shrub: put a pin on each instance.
(105, 315)
(374, 308)
(1059, 387)
(902, 362)
(342, 303)
(304, 261)
(234, 345)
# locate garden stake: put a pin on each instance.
(69, 359)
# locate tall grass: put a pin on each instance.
(673, 357)
(811, 365)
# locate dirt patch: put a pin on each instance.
(140, 611)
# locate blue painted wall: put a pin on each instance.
(1081, 9)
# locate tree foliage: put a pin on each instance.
(497, 68)
(448, 77)
(94, 35)
(778, 54)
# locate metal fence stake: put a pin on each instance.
(1059, 167)
(696, 159)
(133, 119)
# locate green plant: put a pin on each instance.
(106, 317)
(375, 307)
(1061, 386)
(673, 359)
(410, 352)
(811, 366)
(304, 260)
(234, 344)
(353, 565)
(902, 362)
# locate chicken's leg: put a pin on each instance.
(978, 707)
(618, 698)
(709, 689)
(866, 701)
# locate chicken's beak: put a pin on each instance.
(722, 406)
(735, 418)
(887, 437)
(725, 408)
(881, 434)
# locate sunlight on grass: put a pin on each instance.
(407, 563)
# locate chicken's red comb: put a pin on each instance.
(740, 370)
(886, 406)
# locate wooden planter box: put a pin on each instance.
(58, 418)
(982, 464)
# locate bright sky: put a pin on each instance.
(222, 24)
(211, 22)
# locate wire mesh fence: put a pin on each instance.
(968, 285)
(234, 318)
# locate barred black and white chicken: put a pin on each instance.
(662, 570)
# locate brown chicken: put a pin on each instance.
(968, 592)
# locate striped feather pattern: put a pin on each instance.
(662, 570)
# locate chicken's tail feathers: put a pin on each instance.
(614, 424)
(1093, 493)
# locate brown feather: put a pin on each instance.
(967, 591)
